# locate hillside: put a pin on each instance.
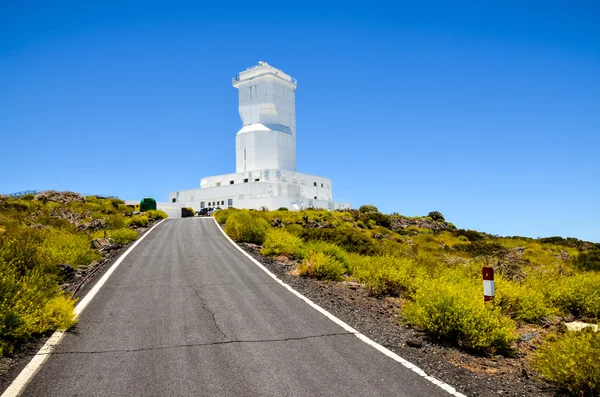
(432, 270)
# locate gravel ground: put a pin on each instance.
(379, 320)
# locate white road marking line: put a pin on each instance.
(345, 326)
(18, 385)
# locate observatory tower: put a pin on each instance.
(267, 107)
(265, 153)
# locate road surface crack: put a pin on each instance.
(229, 342)
(212, 314)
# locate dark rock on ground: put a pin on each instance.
(96, 224)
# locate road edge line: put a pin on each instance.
(443, 385)
(17, 386)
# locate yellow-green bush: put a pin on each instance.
(31, 304)
(455, 312)
(156, 214)
(345, 236)
(295, 229)
(572, 361)
(223, 215)
(139, 221)
(578, 294)
(59, 247)
(385, 275)
(520, 302)
(115, 221)
(322, 267)
(328, 249)
(280, 242)
(123, 236)
(243, 227)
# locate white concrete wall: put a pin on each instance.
(280, 183)
(216, 197)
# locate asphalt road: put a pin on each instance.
(187, 314)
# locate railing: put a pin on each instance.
(237, 79)
(23, 193)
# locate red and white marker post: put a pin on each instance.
(488, 284)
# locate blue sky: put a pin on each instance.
(486, 111)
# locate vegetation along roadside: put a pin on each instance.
(433, 271)
(49, 242)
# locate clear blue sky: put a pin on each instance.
(486, 111)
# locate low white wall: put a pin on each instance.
(174, 211)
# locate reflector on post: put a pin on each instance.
(488, 283)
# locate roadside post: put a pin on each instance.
(488, 284)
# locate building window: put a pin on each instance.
(315, 197)
(174, 200)
(257, 180)
(315, 183)
(218, 183)
(230, 202)
(231, 182)
(201, 204)
(245, 180)
(321, 184)
(222, 202)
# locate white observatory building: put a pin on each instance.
(265, 151)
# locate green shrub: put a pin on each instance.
(123, 236)
(368, 208)
(139, 221)
(384, 275)
(282, 209)
(243, 227)
(187, 212)
(455, 312)
(344, 236)
(578, 294)
(520, 302)
(471, 235)
(588, 260)
(280, 242)
(376, 218)
(322, 267)
(571, 361)
(436, 216)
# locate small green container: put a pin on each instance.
(147, 204)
